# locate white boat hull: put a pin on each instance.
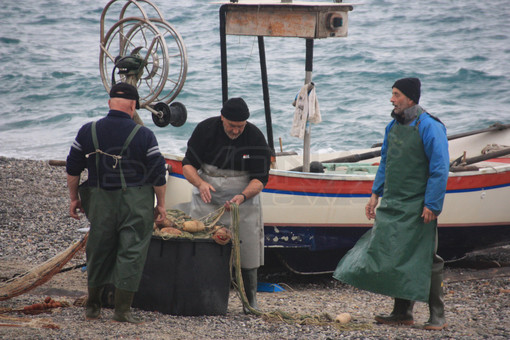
(326, 211)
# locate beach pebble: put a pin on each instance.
(35, 226)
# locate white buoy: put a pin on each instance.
(343, 318)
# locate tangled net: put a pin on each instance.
(179, 225)
(39, 274)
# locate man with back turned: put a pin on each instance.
(397, 257)
(125, 170)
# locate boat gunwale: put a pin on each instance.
(336, 176)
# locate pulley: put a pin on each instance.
(175, 114)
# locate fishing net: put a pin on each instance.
(9, 321)
(39, 274)
(179, 225)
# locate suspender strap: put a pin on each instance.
(119, 157)
(126, 144)
(130, 138)
(96, 147)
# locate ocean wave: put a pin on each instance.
(51, 83)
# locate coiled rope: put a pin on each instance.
(235, 260)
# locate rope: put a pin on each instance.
(212, 218)
(236, 260)
(116, 157)
(323, 319)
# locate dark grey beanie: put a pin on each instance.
(236, 110)
(410, 87)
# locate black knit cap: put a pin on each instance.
(236, 110)
(410, 87)
(125, 90)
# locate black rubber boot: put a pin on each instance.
(437, 319)
(93, 305)
(250, 286)
(123, 300)
(402, 314)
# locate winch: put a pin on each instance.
(148, 53)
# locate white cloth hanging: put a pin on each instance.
(307, 109)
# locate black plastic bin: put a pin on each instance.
(185, 277)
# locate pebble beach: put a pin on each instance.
(35, 226)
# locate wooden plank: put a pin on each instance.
(275, 24)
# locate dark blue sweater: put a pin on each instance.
(142, 162)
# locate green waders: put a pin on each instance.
(395, 257)
(402, 313)
(121, 223)
(437, 319)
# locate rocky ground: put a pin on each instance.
(35, 226)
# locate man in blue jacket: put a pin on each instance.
(397, 257)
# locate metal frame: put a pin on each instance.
(311, 9)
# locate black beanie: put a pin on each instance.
(236, 110)
(410, 87)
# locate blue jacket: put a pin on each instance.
(142, 162)
(435, 143)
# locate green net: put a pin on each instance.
(177, 225)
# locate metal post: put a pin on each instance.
(223, 47)
(308, 79)
(265, 91)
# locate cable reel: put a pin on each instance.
(175, 114)
(140, 49)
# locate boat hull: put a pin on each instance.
(325, 246)
(312, 219)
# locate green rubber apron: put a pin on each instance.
(121, 224)
(394, 258)
(229, 183)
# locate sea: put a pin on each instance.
(51, 81)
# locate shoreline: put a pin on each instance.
(34, 226)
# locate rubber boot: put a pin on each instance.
(250, 287)
(123, 300)
(437, 319)
(93, 305)
(402, 314)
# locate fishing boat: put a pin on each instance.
(313, 204)
(311, 219)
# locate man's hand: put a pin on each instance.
(191, 174)
(159, 214)
(237, 199)
(75, 205)
(370, 207)
(205, 191)
(74, 208)
(428, 215)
